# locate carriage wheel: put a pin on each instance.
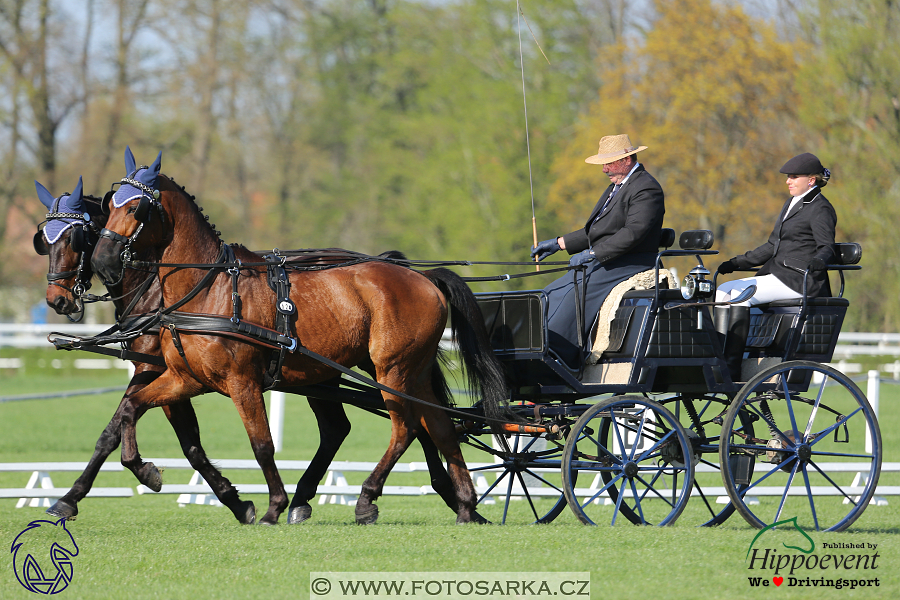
(629, 450)
(816, 454)
(702, 417)
(522, 484)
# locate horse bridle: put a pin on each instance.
(84, 235)
(149, 200)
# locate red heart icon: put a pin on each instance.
(778, 580)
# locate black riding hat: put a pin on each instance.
(803, 164)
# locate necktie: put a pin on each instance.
(606, 204)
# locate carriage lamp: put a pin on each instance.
(695, 284)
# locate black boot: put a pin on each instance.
(733, 324)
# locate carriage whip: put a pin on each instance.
(519, 14)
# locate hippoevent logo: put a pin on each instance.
(42, 557)
(784, 554)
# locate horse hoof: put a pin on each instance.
(479, 520)
(475, 519)
(367, 517)
(151, 477)
(298, 514)
(249, 517)
(268, 523)
(64, 510)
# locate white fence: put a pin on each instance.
(40, 489)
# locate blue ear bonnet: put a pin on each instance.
(145, 178)
(68, 204)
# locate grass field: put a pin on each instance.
(148, 547)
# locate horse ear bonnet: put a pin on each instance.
(127, 192)
(67, 203)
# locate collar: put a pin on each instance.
(804, 195)
(630, 173)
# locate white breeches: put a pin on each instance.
(768, 288)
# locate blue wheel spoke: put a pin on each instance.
(637, 438)
(790, 406)
(661, 497)
(601, 490)
(637, 501)
(786, 488)
(774, 470)
(542, 480)
(815, 410)
(823, 434)
(809, 494)
(831, 481)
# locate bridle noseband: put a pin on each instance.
(149, 201)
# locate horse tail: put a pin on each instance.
(484, 373)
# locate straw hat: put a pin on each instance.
(612, 148)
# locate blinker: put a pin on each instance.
(76, 240)
(142, 212)
(40, 246)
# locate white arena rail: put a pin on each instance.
(336, 490)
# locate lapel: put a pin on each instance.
(618, 197)
(807, 199)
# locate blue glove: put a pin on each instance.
(816, 264)
(545, 249)
(582, 258)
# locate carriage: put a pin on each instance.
(651, 418)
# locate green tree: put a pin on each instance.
(850, 96)
(710, 92)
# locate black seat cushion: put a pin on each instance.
(825, 301)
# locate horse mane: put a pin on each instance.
(193, 202)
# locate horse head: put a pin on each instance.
(137, 219)
(146, 213)
(68, 236)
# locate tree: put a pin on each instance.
(851, 99)
(710, 92)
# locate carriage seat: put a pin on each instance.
(643, 282)
(845, 254)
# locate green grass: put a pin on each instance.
(148, 547)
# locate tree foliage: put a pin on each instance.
(710, 92)
(851, 100)
(399, 124)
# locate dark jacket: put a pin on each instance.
(807, 233)
(631, 224)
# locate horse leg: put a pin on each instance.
(442, 432)
(184, 421)
(165, 390)
(401, 437)
(334, 426)
(248, 399)
(67, 505)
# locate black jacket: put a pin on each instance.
(807, 233)
(631, 224)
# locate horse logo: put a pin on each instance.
(34, 541)
(792, 521)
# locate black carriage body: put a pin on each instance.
(650, 349)
(655, 347)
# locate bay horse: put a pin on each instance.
(382, 317)
(72, 228)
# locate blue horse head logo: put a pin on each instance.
(35, 570)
